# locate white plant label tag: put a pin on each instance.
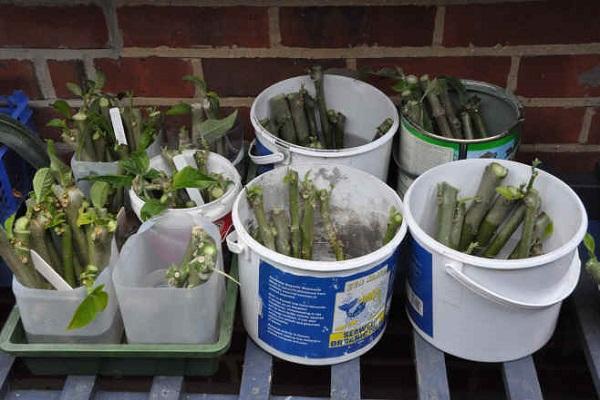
(181, 162)
(48, 272)
(117, 123)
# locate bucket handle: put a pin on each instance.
(275, 157)
(233, 244)
(454, 269)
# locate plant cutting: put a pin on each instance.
(308, 219)
(494, 214)
(305, 120)
(210, 131)
(441, 105)
(62, 234)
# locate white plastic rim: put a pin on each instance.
(215, 209)
(246, 240)
(338, 81)
(482, 262)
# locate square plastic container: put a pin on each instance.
(47, 313)
(152, 311)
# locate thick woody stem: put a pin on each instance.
(24, 273)
(308, 194)
(296, 101)
(449, 109)
(316, 74)
(467, 127)
(294, 201)
(506, 231)
(493, 174)
(282, 231)
(394, 222)
(430, 89)
(497, 214)
(446, 201)
(336, 244)
(532, 204)
(281, 114)
(457, 224)
(255, 198)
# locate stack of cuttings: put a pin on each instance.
(492, 217)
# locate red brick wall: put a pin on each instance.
(547, 52)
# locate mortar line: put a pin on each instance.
(586, 125)
(115, 38)
(559, 101)
(351, 63)
(42, 73)
(305, 3)
(560, 148)
(197, 70)
(438, 26)
(512, 79)
(274, 29)
(89, 67)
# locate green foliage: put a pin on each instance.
(214, 129)
(179, 109)
(548, 231)
(190, 177)
(590, 245)
(197, 81)
(8, 226)
(510, 192)
(75, 89)
(99, 193)
(136, 164)
(42, 184)
(62, 107)
(151, 208)
(93, 304)
(116, 181)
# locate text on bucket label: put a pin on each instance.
(323, 317)
(419, 288)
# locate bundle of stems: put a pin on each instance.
(304, 120)
(291, 232)
(493, 216)
(89, 131)
(441, 105)
(209, 130)
(71, 233)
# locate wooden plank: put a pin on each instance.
(520, 380)
(78, 387)
(33, 395)
(345, 380)
(166, 388)
(432, 380)
(6, 363)
(256, 376)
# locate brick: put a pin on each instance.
(522, 23)
(489, 69)
(75, 27)
(594, 134)
(62, 72)
(563, 161)
(41, 116)
(15, 74)
(355, 26)
(552, 124)
(147, 77)
(249, 76)
(559, 76)
(151, 26)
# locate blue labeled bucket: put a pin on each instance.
(326, 311)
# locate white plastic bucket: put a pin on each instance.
(218, 211)
(46, 313)
(490, 309)
(365, 108)
(319, 312)
(83, 169)
(152, 311)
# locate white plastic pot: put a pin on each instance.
(46, 313)
(365, 108)
(152, 311)
(320, 312)
(83, 169)
(484, 309)
(218, 211)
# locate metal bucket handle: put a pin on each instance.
(455, 270)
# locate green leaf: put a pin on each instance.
(62, 107)
(190, 177)
(199, 82)
(99, 193)
(509, 192)
(100, 80)
(388, 72)
(400, 86)
(179, 109)
(151, 208)
(74, 88)
(8, 225)
(93, 304)
(136, 164)
(62, 173)
(116, 181)
(214, 129)
(86, 217)
(57, 123)
(42, 183)
(590, 245)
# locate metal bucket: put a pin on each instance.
(420, 150)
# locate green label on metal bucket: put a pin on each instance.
(503, 148)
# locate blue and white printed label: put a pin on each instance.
(419, 288)
(322, 317)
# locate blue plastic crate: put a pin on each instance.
(15, 173)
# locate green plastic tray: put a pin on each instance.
(122, 359)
